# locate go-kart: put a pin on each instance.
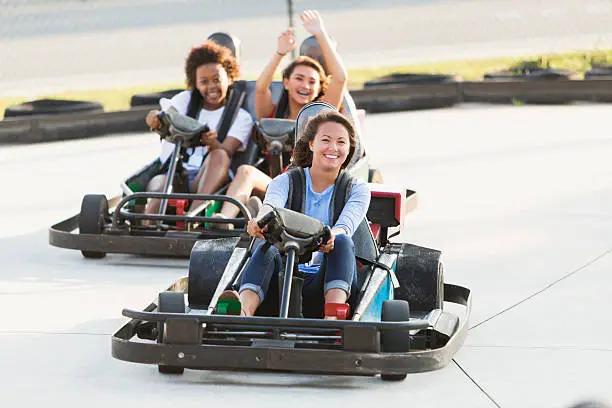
(399, 324)
(122, 230)
(95, 231)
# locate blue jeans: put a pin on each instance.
(339, 271)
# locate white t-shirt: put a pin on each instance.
(240, 129)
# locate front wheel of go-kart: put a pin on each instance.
(169, 302)
(94, 211)
(395, 341)
(375, 176)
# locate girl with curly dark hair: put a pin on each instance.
(322, 152)
(210, 71)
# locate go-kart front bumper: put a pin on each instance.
(357, 351)
(169, 243)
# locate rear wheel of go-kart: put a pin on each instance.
(421, 277)
(395, 341)
(94, 210)
(169, 302)
(375, 176)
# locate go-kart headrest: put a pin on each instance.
(228, 41)
(310, 47)
(308, 111)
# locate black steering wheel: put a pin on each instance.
(178, 127)
(293, 229)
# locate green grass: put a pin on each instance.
(579, 61)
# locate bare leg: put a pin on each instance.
(213, 174)
(248, 180)
(249, 301)
(156, 185)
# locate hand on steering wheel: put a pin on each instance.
(329, 245)
(254, 230)
(208, 137)
(152, 120)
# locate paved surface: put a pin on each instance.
(518, 198)
(47, 48)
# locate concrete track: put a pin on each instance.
(518, 198)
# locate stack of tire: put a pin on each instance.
(51, 107)
(152, 99)
(407, 91)
(518, 84)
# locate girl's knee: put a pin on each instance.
(219, 156)
(156, 184)
(343, 241)
(245, 171)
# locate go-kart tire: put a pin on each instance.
(599, 71)
(153, 97)
(207, 263)
(543, 74)
(169, 302)
(410, 79)
(421, 276)
(51, 107)
(395, 341)
(94, 211)
(375, 176)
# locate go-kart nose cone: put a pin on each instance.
(228, 41)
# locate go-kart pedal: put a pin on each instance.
(229, 303)
(180, 206)
(340, 311)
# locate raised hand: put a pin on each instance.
(312, 21)
(286, 42)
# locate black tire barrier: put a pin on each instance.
(599, 71)
(45, 128)
(51, 107)
(560, 91)
(410, 79)
(152, 99)
(540, 74)
(395, 98)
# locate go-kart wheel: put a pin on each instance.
(94, 210)
(395, 341)
(169, 302)
(375, 176)
(207, 264)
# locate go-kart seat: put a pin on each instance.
(350, 111)
(251, 153)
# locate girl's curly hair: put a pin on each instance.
(302, 155)
(207, 53)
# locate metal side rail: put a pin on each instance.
(144, 241)
(268, 343)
